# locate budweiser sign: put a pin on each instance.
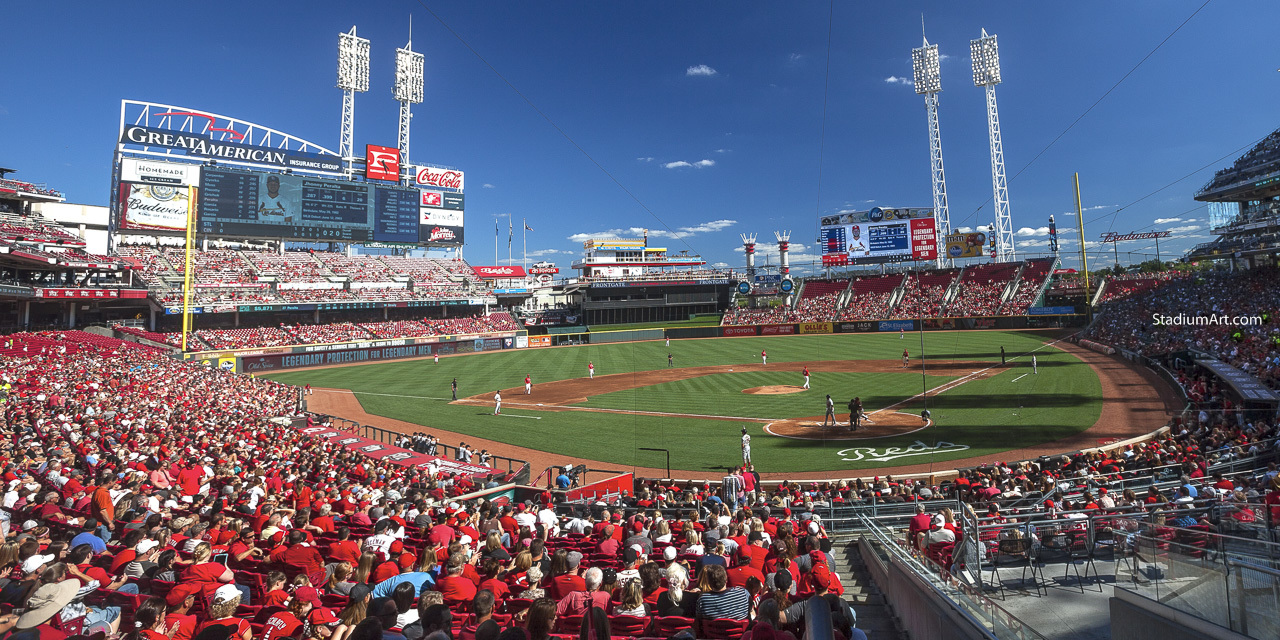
(439, 234)
(1112, 236)
(441, 178)
(499, 272)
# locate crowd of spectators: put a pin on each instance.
(1126, 285)
(1129, 322)
(298, 334)
(27, 187)
(923, 295)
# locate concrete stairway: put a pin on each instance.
(875, 617)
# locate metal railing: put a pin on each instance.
(985, 615)
(513, 465)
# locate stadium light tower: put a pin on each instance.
(928, 82)
(353, 76)
(408, 90)
(986, 73)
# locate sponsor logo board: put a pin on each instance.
(381, 163)
(778, 330)
(154, 206)
(502, 271)
(439, 178)
(895, 325)
(739, 331)
(815, 327)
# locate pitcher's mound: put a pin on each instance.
(774, 390)
(885, 424)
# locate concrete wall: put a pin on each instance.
(923, 613)
(1134, 617)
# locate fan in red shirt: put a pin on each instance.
(287, 623)
(455, 587)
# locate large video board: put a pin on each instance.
(878, 235)
(256, 204)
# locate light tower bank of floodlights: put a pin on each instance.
(986, 73)
(928, 82)
(408, 90)
(353, 76)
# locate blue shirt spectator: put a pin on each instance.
(89, 538)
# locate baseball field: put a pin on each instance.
(697, 403)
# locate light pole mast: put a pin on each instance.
(353, 76)
(408, 91)
(986, 73)
(928, 83)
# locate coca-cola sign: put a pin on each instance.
(502, 271)
(439, 178)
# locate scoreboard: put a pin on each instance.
(251, 203)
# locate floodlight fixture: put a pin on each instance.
(925, 70)
(353, 62)
(409, 76)
(986, 60)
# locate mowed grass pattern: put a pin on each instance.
(721, 393)
(988, 415)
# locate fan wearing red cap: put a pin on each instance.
(178, 602)
(287, 623)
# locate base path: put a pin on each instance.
(1135, 402)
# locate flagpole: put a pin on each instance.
(495, 239)
(511, 232)
(524, 237)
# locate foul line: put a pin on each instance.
(513, 415)
(385, 395)
(1020, 377)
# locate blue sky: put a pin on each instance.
(708, 112)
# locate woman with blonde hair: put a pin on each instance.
(632, 600)
(662, 532)
(364, 569)
(339, 581)
(677, 600)
(222, 613)
(693, 543)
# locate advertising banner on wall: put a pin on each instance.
(966, 245)
(445, 217)
(381, 163)
(815, 327)
(924, 240)
(154, 206)
(436, 234)
(738, 331)
(501, 272)
(154, 172)
(432, 177)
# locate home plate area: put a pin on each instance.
(881, 425)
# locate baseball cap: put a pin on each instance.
(305, 594)
(573, 559)
(323, 615)
(225, 593)
(33, 563)
(359, 592)
(146, 545)
(179, 594)
(821, 576)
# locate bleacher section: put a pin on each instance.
(1030, 283)
(981, 288)
(1128, 285)
(924, 292)
(870, 297)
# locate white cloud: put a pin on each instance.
(700, 70)
(942, 57)
(722, 151)
(1028, 232)
(795, 57)
(681, 164)
(546, 252)
(720, 265)
(645, 159)
(1166, 220)
(487, 185)
(1027, 244)
(963, 230)
(898, 80)
(636, 232)
(1184, 229)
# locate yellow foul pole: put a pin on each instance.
(186, 271)
(1084, 260)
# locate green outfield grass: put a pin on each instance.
(1009, 410)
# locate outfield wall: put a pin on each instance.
(893, 326)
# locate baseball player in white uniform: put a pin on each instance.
(497, 403)
(746, 447)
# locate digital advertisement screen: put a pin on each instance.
(874, 242)
(290, 206)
